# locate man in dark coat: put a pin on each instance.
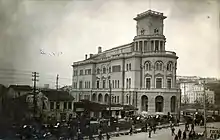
(184, 135)
(179, 134)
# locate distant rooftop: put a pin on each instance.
(150, 13)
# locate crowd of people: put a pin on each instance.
(187, 131)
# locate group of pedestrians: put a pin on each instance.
(182, 135)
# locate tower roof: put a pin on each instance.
(149, 13)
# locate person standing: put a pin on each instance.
(179, 134)
(176, 137)
(107, 136)
(150, 130)
(192, 126)
(184, 135)
(154, 129)
(173, 131)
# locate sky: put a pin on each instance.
(66, 30)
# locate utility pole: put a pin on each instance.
(205, 134)
(57, 87)
(35, 75)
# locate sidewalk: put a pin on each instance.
(126, 132)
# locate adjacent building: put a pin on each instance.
(193, 92)
(141, 73)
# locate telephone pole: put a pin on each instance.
(57, 87)
(35, 75)
(205, 133)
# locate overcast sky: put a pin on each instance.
(78, 27)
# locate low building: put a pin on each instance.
(57, 105)
(15, 91)
(97, 110)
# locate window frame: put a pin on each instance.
(156, 82)
(147, 82)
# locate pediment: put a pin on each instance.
(159, 75)
(169, 75)
(147, 75)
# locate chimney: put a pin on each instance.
(90, 55)
(85, 56)
(99, 49)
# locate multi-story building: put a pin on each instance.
(193, 92)
(141, 73)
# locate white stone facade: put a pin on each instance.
(140, 69)
(193, 92)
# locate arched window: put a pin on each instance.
(147, 65)
(159, 65)
(159, 101)
(144, 103)
(100, 99)
(106, 98)
(169, 66)
(173, 103)
(94, 97)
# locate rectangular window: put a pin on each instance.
(51, 105)
(116, 68)
(156, 45)
(89, 71)
(81, 72)
(97, 84)
(69, 105)
(129, 82)
(65, 105)
(169, 83)
(140, 43)
(117, 99)
(85, 84)
(158, 82)
(74, 72)
(89, 84)
(57, 105)
(80, 84)
(113, 84)
(118, 83)
(130, 66)
(127, 67)
(103, 84)
(104, 70)
(148, 83)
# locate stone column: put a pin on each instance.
(151, 104)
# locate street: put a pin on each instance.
(164, 134)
